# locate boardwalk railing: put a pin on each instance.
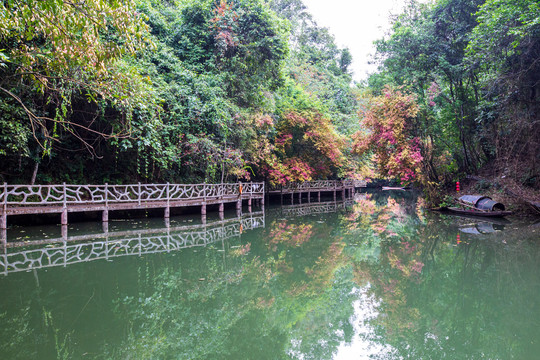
(345, 187)
(322, 185)
(359, 183)
(37, 199)
(96, 194)
(62, 252)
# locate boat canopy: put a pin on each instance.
(482, 202)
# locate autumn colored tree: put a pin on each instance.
(473, 66)
(390, 136)
(306, 147)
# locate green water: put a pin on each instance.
(374, 278)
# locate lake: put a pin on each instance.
(376, 277)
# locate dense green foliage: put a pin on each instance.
(188, 91)
(180, 91)
(473, 67)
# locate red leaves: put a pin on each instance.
(290, 170)
(308, 146)
(224, 24)
(390, 136)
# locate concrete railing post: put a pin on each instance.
(64, 216)
(3, 219)
(105, 214)
(250, 196)
(167, 213)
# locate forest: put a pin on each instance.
(190, 91)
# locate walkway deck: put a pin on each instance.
(64, 199)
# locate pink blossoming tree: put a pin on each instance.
(389, 136)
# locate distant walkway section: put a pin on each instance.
(311, 188)
(64, 199)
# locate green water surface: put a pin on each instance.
(372, 278)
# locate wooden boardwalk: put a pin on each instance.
(64, 199)
(344, 187)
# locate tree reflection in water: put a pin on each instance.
(378, 278)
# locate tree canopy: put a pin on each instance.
(170, 91)
(472, 65)
(187, 91)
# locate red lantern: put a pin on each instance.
(457, 186)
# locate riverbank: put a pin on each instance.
(522, 201)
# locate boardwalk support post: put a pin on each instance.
(167, 212)
(64, 216)
(221, 203)
(105, 214)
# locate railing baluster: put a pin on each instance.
(167, 209)
(64, 218)
(3, 219)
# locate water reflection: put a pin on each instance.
(361, 346)
(323, 207)
(482, 228)
(445, 291)
(377, 277)
(67, 250)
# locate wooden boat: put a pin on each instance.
(477, 205)
(394, 188)
(474, 212)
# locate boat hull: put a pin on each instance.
(477, 213)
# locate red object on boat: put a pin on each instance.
(457, 186)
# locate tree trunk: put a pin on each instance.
(34, 174)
